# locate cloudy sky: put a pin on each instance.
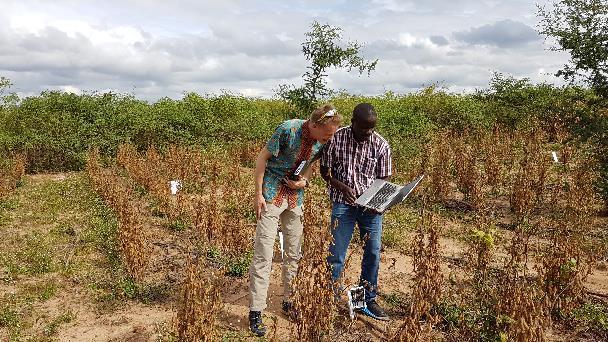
(167, 48)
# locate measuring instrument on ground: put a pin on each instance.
(356, 300)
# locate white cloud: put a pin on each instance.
(505, 33)
(408, 40)
(70, 89)
(160, 48)
(394, 5)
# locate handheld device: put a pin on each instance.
(356, 300)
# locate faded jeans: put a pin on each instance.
(343, 219)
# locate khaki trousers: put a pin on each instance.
(265, 237)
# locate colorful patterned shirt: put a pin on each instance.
(356, 164)
(290, 144)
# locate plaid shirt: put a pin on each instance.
(356, 164)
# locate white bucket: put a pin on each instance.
(175, 185)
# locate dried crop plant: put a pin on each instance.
(540, 163)
(521, 304)
(146, 170)
(9, 178)
(313, 297)
(200, 303)
(236, 202)
(154, 171)
(119, 196)
(493, 157)
(439, 166)
(128, 157)
(213, 220)
(427, 286)
(521, 197)
(480, 254)
(529, 179)
(214, 205)
(213, 215)
(247, 153)
(184, 163)
(468, 175)
(569, 257)
(156, 180)
(132, 240)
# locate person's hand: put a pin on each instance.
(259, 205)
(347, 192)
(295, 185)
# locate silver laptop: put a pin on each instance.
(383, 195)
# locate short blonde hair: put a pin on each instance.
(319, 116)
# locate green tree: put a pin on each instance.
(580, 28)
(323, 48)
(7, 99)
(5, 83)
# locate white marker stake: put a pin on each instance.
(281, 243)
(175, 186)
(554, 154)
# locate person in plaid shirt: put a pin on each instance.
(351, 161)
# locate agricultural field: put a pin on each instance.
(500, 242)
(505, 239)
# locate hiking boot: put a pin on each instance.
(289, 310)
(255, 323)
(286, 306)
(374, 310)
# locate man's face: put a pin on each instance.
(323, 133)
(327, 132)
(363, 128)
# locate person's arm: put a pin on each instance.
(259, 202)
(384, 166)
(349, 194)
(327, 159)
(306, 176)
(298, 184)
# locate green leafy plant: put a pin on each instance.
(579, 26)
(323, 49)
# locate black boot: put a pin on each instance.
(286, 306)
(255, 323)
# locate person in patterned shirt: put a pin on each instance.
(351, 161)
(279, 197)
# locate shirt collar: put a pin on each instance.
(306, 132)
(352, 136)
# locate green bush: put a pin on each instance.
(55, 129)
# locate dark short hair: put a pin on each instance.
(364, 111)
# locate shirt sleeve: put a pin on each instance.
(384, 166)
(327, 154)
(276, 140)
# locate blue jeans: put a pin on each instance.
(343, 219)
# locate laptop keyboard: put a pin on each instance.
(382, 195)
